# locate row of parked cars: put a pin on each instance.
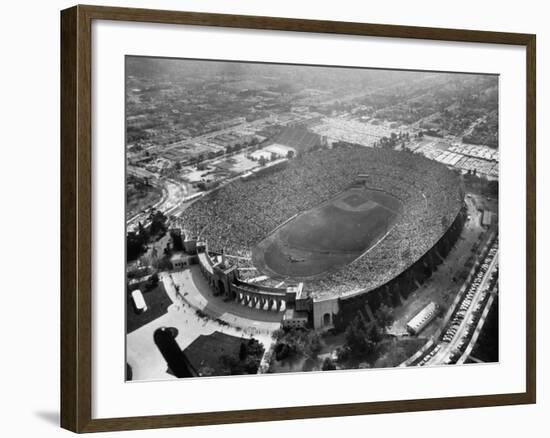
(429, 356)
(464, 311)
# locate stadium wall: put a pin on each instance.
(224, 281)
(396, 289)
(324, 313)
(219, 277)
(338, 311)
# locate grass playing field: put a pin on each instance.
(328, 236)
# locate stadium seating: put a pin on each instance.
(298, 138)
(238, 216)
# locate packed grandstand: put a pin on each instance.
(238, 216)
(298, 137)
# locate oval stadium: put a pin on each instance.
(328, 229)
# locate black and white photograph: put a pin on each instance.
(290, 218)
(275, 220)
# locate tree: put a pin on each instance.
(293, 341)
(254, 348)
(395, 298)
(152, 282)
(313, 344)
(357, 339)
(492, 188)
(243, 351)
(158, 223)
(177, 242)
(142, 232)
(328, 364)
(278, 334)
(282, 351)
(384, 316)
(262, 161)
(135, 245)
(373, 333)
(246, 362)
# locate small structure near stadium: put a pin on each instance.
(422, 319)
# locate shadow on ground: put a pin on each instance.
(51, 417)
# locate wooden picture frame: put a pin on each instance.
(76, 217)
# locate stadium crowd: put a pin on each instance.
(238, 216)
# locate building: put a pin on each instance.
(421, 320)
(293, 318)
(324, 311)
(487, 218)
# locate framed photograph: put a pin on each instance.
(269, 218)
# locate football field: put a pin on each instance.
(328, 236)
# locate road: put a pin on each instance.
(445, 349)
(206, 136)
(196, 292)
(230, 318)
(173, 194)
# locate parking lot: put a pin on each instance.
(464, 320)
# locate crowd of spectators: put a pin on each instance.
(238, 216)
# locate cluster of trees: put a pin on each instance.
(393, 140)
(361, 342)
(136, 241)
(177, 241)
(209, 185)
(136, 244)
(384, 316)
(158, 224)
(361, 339)
(263, 160)
(199, 159)
(239, 146)
(485, 132)
(477, 184)
(293, 342)
(328, 364)
(152, 282)
(246, 362)
(384, 309)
